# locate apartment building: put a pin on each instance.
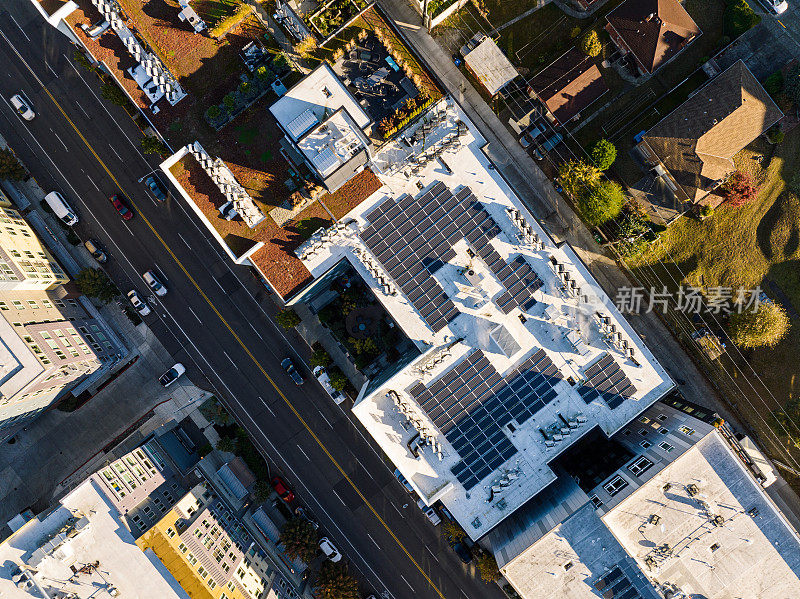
(48, 341)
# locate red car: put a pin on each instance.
(282, 490)
(119, 204)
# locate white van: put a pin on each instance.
(325, 381)
(62, 210)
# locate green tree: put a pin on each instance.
(763, 327)
(487, 565)
(603, 154)
(320, 358)
(227, 444)
(578, 176)
(262, 491)
(82, 60)
(229, 100)
(739, 17)
(791, 84)
(213, 112)
(11, 168)
(601, 203)
(95, 283)
(245, 87)
(334, 582)
(299, 539)
(453, 531)
(590, 44)
(114, 94)
(287, 318)
(774, 83)
(153, 145)
(338, 379)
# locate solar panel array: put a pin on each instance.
(605, 379)
(471, 412)
(413, 238)
(518, 278)
(617, 584)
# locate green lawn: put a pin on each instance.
(755, 245)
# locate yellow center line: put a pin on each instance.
(245, 348)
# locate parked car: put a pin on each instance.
(119, 203)
(61, 208)
(429, 512)
(157, 188)
(288, 366)
(552, 142)
(325, 381)
(23, 106)
(329, 549)
(403, 481)
(530, 135)
(152, 281)
(463, 552)
(93, 246)
(301, 512)
(172, 375)
(282, 489)
(138, 303)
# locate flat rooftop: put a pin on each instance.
(85, 529)
(522, 352)
(751, 551)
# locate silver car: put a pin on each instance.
(23, 106)
(154, 283)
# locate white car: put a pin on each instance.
(172, 375)
(138, 303)
(329, 549)
(23, 106)
(152, 281)
(429, 512)
(325, 381)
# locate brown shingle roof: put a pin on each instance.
(697, 141)
(654, 30)
(569, 84)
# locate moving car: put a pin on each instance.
(152, 281)
(60, 208)
(429, 512)
(329, 549)
(282, 489)
(23, 106)
(403, 481)
(118, 203)
(171, 375)
(138, 303)
(94, 249)
(288, 366)
(157, 188)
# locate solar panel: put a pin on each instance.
(605, 379)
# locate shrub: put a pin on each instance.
(590, 44)
(82, 60)
(763, 327)
(706, 211)
(774, 83)
(739, 17)
(338, 379)
(114, 94)
(738, 189)
(306, 46)
(601, 203)
(794, 183)
(299, 539)
(221, 27)
(487, 565)
(245, 87)
(287, 318)
(229, 100)
(574, 32)
(226, 444)
(603, 154)
(153, 145)
(576, 176)
(777, 137)
(213, 112)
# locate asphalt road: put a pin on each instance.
(216, 318)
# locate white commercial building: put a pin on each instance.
(520, 351)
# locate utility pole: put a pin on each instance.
(425, 19)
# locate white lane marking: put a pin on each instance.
(464, 592)
(89, 179)
(364, 467)
(433, 555)
(218, 284)
(373, 540)
(20, 28)
(304, 453)
(184, 241)
(321, 413)
(408, 583)
(397, 510)
(115, 152)
(338, 497)
(195, 315)
(124, 222)
(51, 68)
(83, 110)
(229, 358)
(255, 330)
(266, 405)
(59, 139)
